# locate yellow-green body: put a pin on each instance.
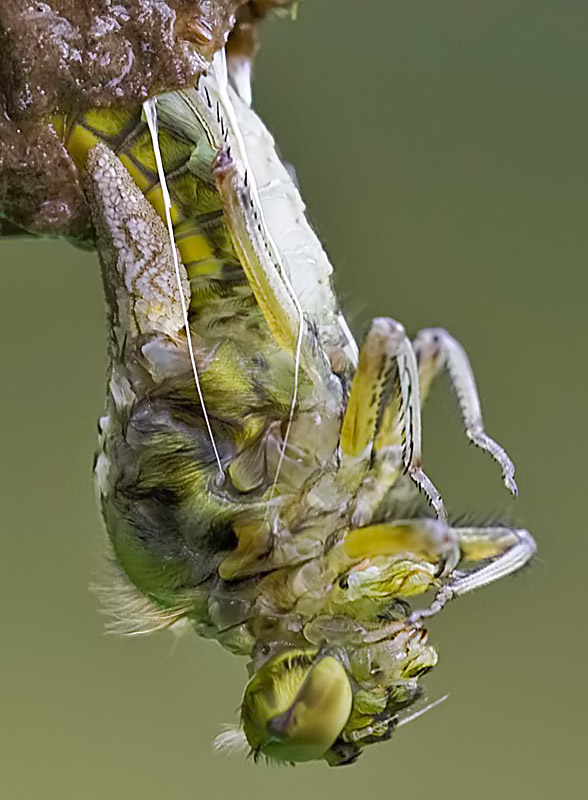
(311, 545)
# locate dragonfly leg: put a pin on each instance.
(383, 409)
(257, 254)
(436, 349)
(496, 551)
(431, 540)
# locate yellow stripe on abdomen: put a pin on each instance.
(194, 248)
(79, 141)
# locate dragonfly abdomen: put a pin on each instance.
(202, 237)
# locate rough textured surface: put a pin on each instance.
(39, 183)
(135, 247)
(66, 54)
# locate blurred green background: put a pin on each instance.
(441, 148)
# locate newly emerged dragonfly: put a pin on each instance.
(260, 476)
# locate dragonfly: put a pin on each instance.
(259, 474)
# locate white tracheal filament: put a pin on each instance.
(220, 70)
(150, 109)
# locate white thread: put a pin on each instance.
(421, 711)
(292, 407)
(149, 107)
(220, 68)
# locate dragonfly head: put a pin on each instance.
(296, 706)
(330, 703)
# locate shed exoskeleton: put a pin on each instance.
(271, 493)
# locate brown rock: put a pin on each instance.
(66, 54)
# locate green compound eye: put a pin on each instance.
(295, 706)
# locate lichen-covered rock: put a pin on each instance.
(40, 188)
(65, 54)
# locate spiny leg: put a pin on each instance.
(250, 241)
(502, 551)
(436, 349)
(386, 466)
(386, 356)
(251, 238)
